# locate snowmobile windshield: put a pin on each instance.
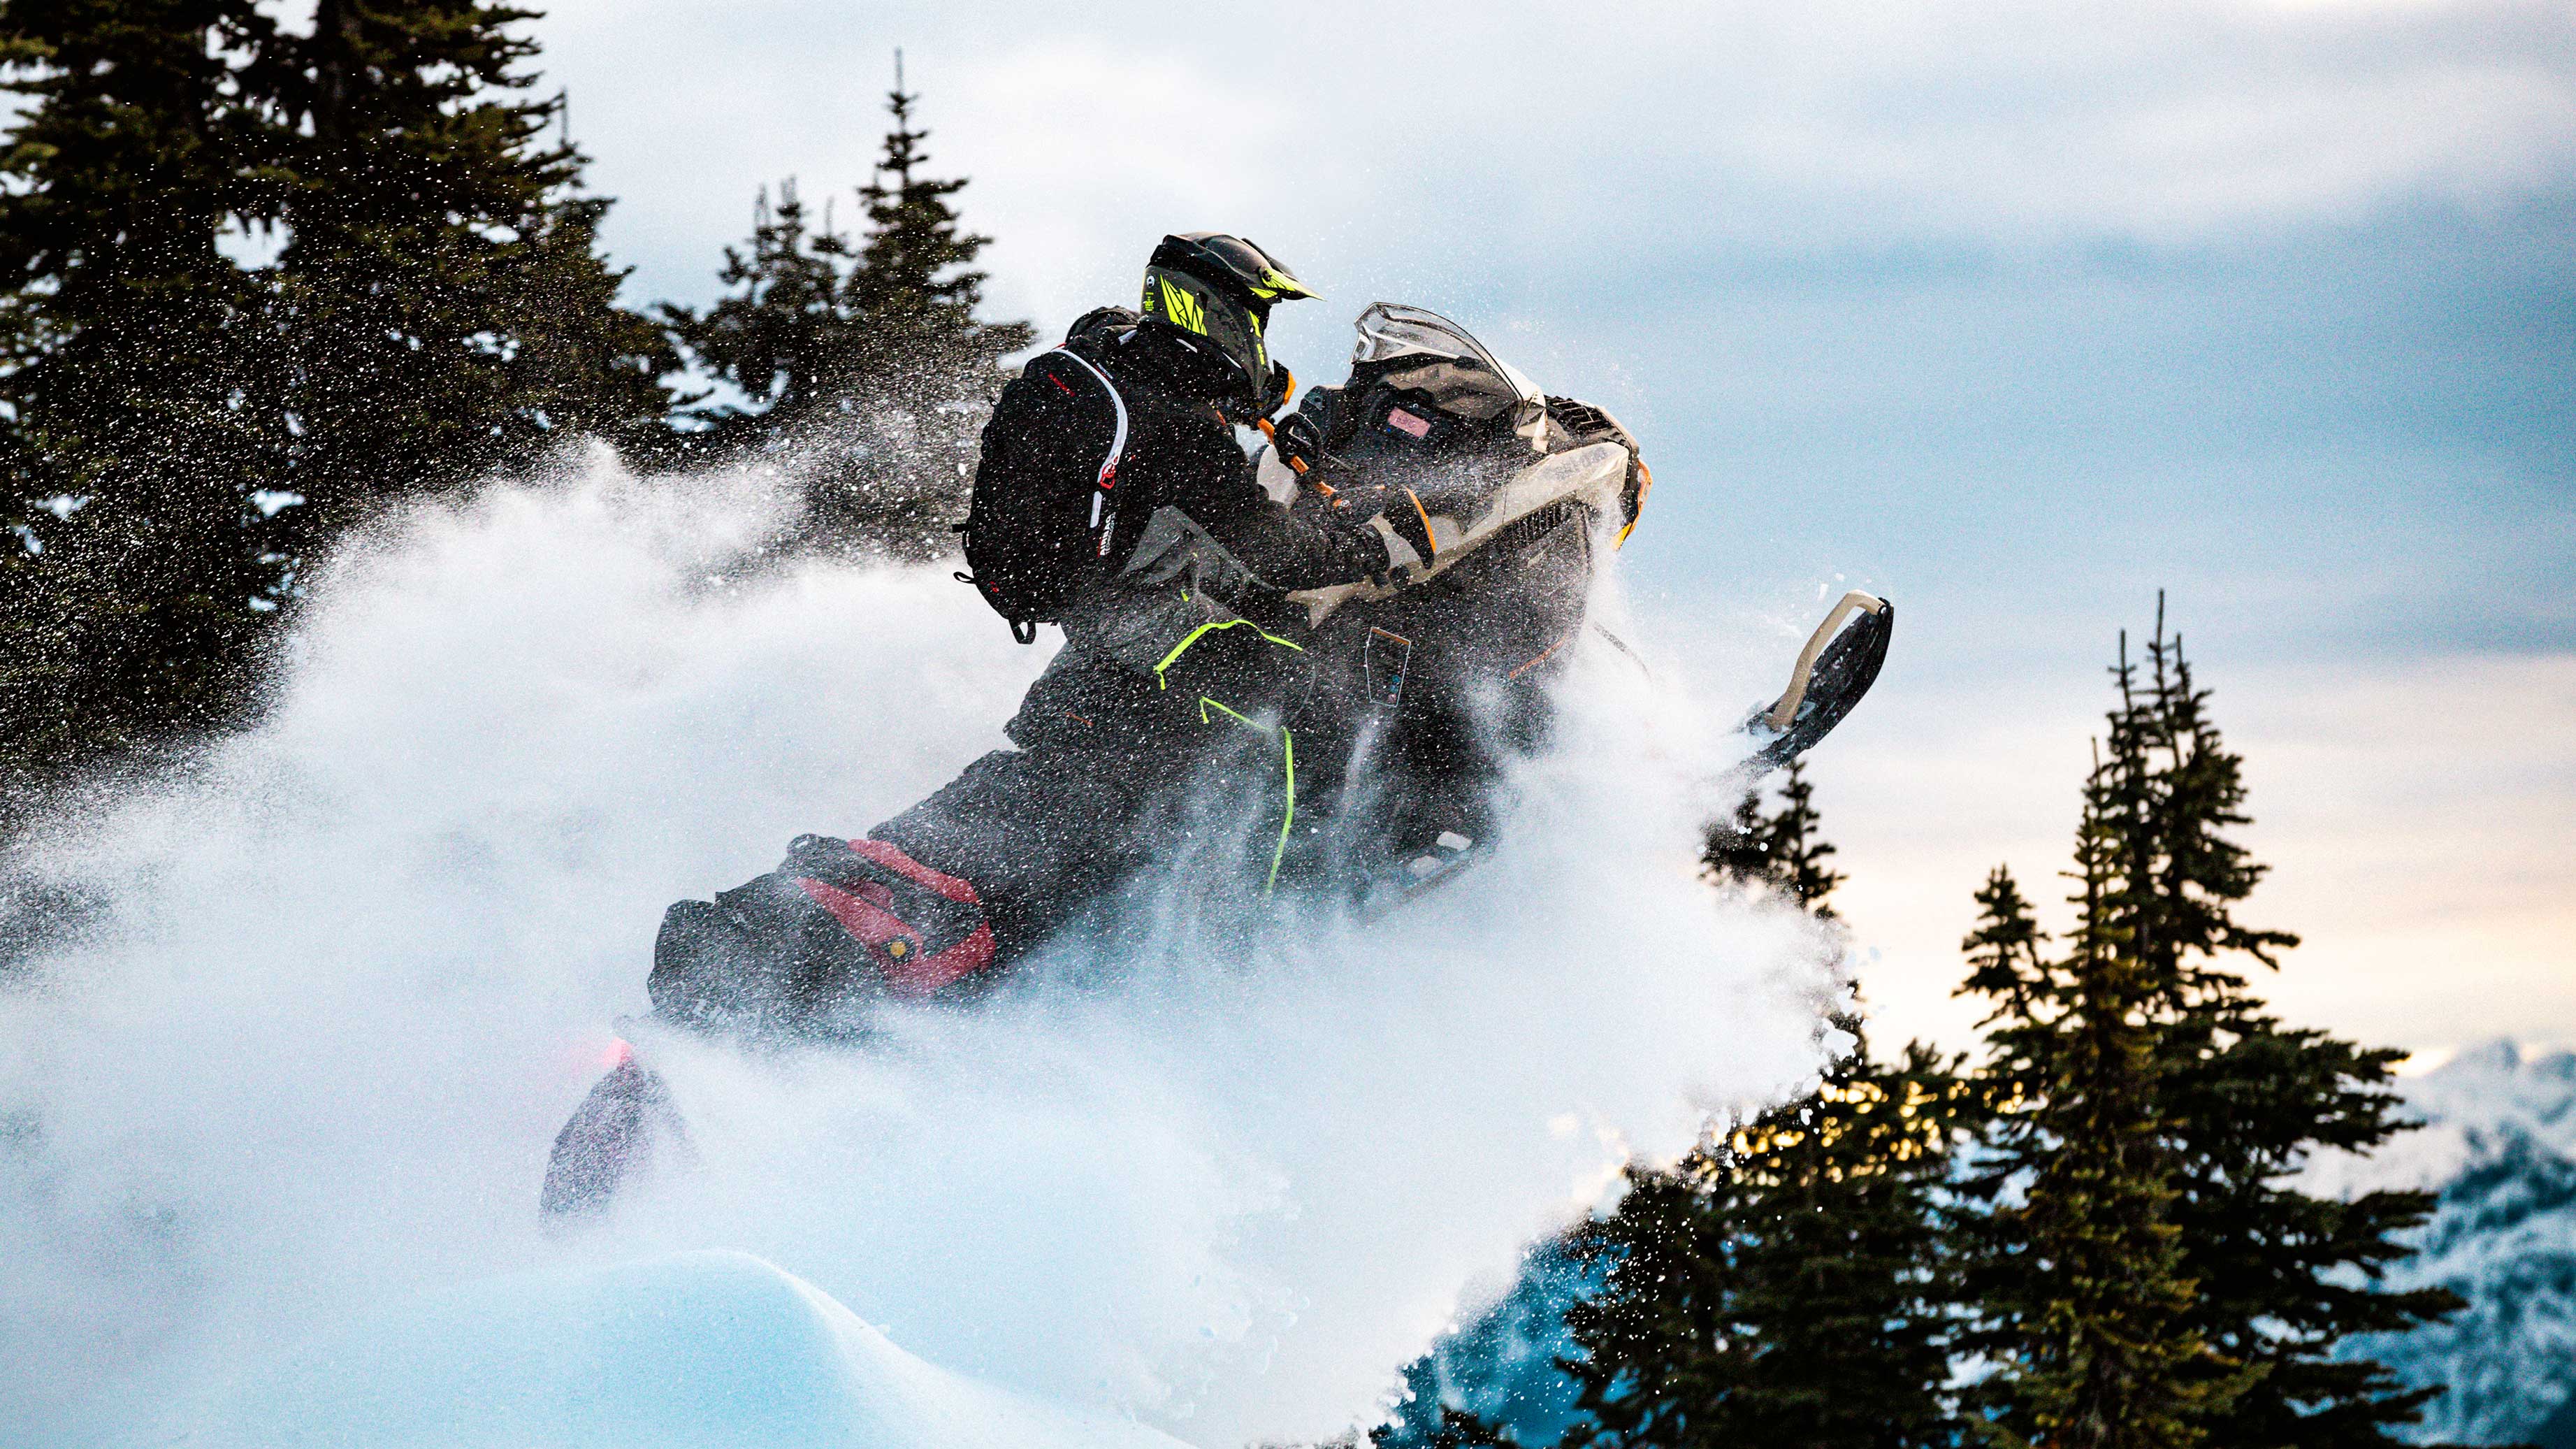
(1416, 347)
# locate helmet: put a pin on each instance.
(1217, 289)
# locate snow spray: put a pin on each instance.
(350, 970)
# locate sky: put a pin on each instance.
(2015, 312)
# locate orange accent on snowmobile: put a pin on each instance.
(1431, 544)
(1295, 465)
(1535, 660)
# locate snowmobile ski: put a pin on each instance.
(1839, 664)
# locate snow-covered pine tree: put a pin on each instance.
(860, 370)
(1783, 1284)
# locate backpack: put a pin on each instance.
(1045, 505)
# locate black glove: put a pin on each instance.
(1300, 441)
(1282, 386)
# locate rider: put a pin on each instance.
(1113, 499)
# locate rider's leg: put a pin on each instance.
(933, 902)
(837, 919)
(1042, 832)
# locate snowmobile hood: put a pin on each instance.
(1591, 474)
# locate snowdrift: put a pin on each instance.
(703, 1350)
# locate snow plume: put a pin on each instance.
(354, 970)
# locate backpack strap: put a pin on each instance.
(1104, 517)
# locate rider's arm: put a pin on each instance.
(1287, 552)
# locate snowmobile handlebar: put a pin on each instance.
(1781, 714)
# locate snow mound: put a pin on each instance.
(712, 1348)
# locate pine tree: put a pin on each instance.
(2148, 1271)
(2076, 1267)
(185, 435)
(444, 311)
(915, 281)
(862, 372)
(775, 338)
(1783, 1284)
(136, 574)
(1781, 850)
(2280, 1276)
(1456, 1429)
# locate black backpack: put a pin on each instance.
(1045, 506)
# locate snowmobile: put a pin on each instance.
(1416, 687)
(1394, 704)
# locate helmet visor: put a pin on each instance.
(1264, 277)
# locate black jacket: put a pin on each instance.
(1179, 454)
(1194, 540)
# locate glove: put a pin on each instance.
(1300, 441)
(1283, 386)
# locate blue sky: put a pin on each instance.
(2015, 311)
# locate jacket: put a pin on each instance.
(1195, 541)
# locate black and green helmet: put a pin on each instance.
(1217, 289)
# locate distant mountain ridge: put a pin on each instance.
(2499, 1145)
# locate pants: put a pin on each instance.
(1041, 832)
(1012, 848)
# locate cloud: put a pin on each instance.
(2414, 814)
(1507, 133)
